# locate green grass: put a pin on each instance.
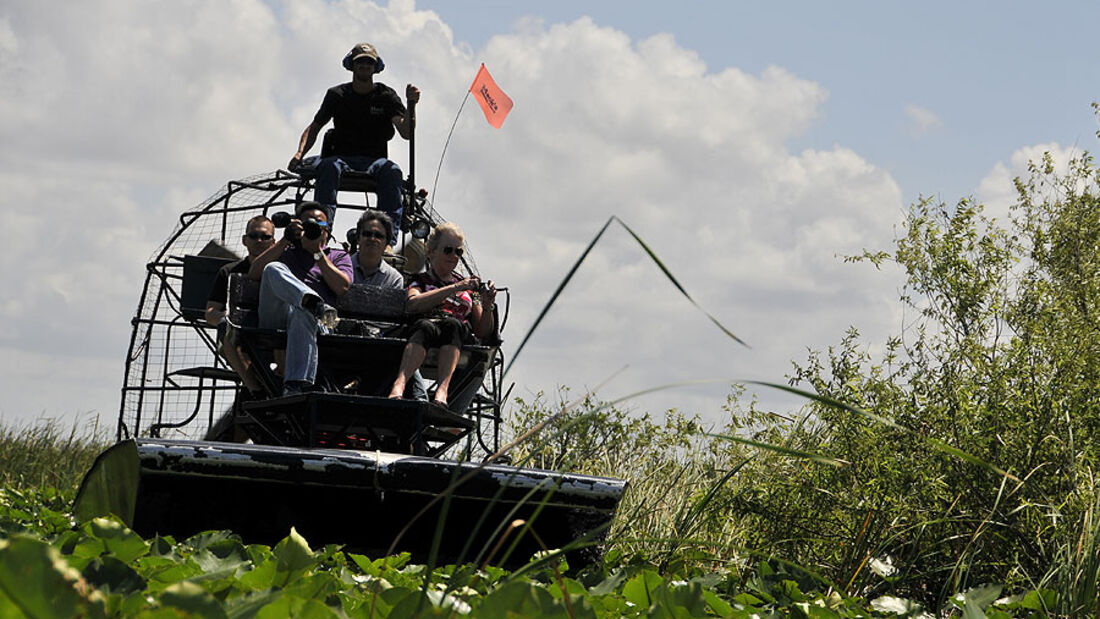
(48, 454)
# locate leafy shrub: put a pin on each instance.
(1000, 359)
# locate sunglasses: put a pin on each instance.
(260, 236)
(458, 251)
(371, 234)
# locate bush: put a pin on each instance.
(1002, 362)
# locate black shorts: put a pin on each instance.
(434, 332)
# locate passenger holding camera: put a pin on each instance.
(453, 310)
(299, 280)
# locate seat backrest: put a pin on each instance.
(198, 280)
(366, 301)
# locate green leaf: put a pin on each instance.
(385, 601)
(641, 589)
(117, 538)
(610, 584)
(217, 568)
(519, 599)
(162, 572)
(315, 586)
(209, 539)
(976, 600)
(8, 609)
(716, 604)
(580, 260)
(128, 606)
(292, 556)
(229, 549)
(290, 606)
(366, 565)
(414, 607)
(192, 599)
(1036, 599)
(748, 599)
(113, 576)
(40, 583)
(686, 598)
(260, 577)
(162, 546)
(248, 605)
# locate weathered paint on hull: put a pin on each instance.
(361, 500)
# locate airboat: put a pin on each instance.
(345, 465)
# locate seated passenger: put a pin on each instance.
(453, 313)
(299, 279)
(259, 235)
(364, 114)
(375, 230)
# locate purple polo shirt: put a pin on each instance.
(308, 272)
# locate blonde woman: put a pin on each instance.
(453, 311)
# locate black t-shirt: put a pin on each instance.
(220, 292)
(364, 123)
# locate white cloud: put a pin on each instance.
(125, 117)
(922, 120)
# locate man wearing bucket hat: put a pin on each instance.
(364, 114)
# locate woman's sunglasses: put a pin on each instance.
(458, 251)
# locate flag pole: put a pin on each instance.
(410, 183)
(448, 142)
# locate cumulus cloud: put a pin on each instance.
(120, 119)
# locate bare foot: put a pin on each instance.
(440, 396)
(397, 390)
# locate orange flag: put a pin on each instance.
(491, 98)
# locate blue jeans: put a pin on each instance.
(281, 297)
(383, 171)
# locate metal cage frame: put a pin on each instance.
(173, 371)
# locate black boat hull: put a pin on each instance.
(369, 502)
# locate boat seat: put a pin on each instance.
(362, 354)
(351, 180)
(362, 302)
(198, 280)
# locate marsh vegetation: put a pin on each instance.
(952, 473)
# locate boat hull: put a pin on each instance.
(369, 502)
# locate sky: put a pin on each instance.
(752, 145)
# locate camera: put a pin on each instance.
(483, 287)
(311, 228)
